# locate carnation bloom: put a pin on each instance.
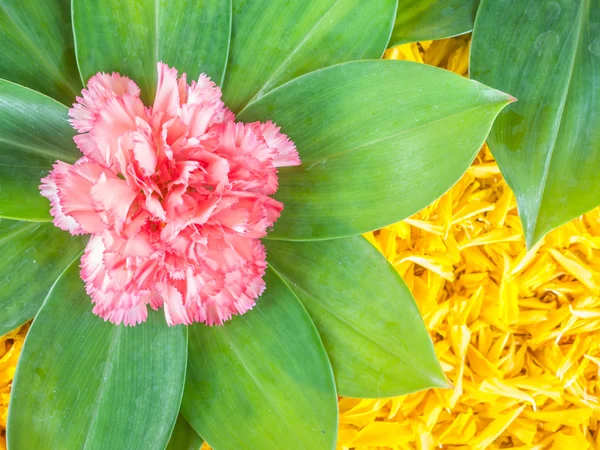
(175, 198)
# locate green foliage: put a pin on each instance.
(184, 437)
(547, 144)
(33, 256)
(263, 379)
(36, 44)
(85, 383)
(369, 322)
(34, 133)
(379, 140)
(423, 20)
(296, 37)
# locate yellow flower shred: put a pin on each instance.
(515, 331)
(10, 349)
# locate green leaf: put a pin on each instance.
(379, 140)
(130, 37)
(547, 144)
(184, 437)
(34, 133)
(367, 318)
(294, 37)
(33, 256)
(420, 20)
(36, 39)
(85, 383)
(262, 380)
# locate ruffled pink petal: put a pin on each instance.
(167, 90)
(49, 189)
(176, 198)
(73, 186)
(127, 316)
(112, 198)
(285, 153)
(100, 88)
(175, 311)
(204, 107)
(143, 147)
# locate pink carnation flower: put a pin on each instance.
(175, 197)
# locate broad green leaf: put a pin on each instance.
(36, 43)
(367, 318)
(34, 133)
(33, 256)
(184, 437)
(420, 20)
(263, 379)
(547, 54)
(379, 140)
(85, 383)
(131, 37)
(294, 37)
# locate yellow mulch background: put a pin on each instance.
(515, 331)
(10, 349)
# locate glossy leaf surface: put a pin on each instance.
(33, 256)
(379, 140)
(262, 380)
(291, 38)
(130, 37)
(85, 383)
(184, 437)
(367, 318)
(36, 38)
(34, 133)
(419, 20)
(548, 143)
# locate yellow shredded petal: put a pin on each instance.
(494, 429)
(10, 349)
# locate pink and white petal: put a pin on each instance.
(74, 194)
(112, 198)
(49, 189)
(155, 208)
(183, 88)
(167, 90)
(93, 271)
(88, 147)
(284, 149)
(116, 118)
(115, 82)
(100, 88)
(144, 149)
(126, 316)
(175, 311)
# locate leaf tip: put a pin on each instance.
(441, 382)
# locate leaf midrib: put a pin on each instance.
(386, 138)
(560, 115)
(8, 237)
(103, 383)
(255, 380)
(34, 150)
